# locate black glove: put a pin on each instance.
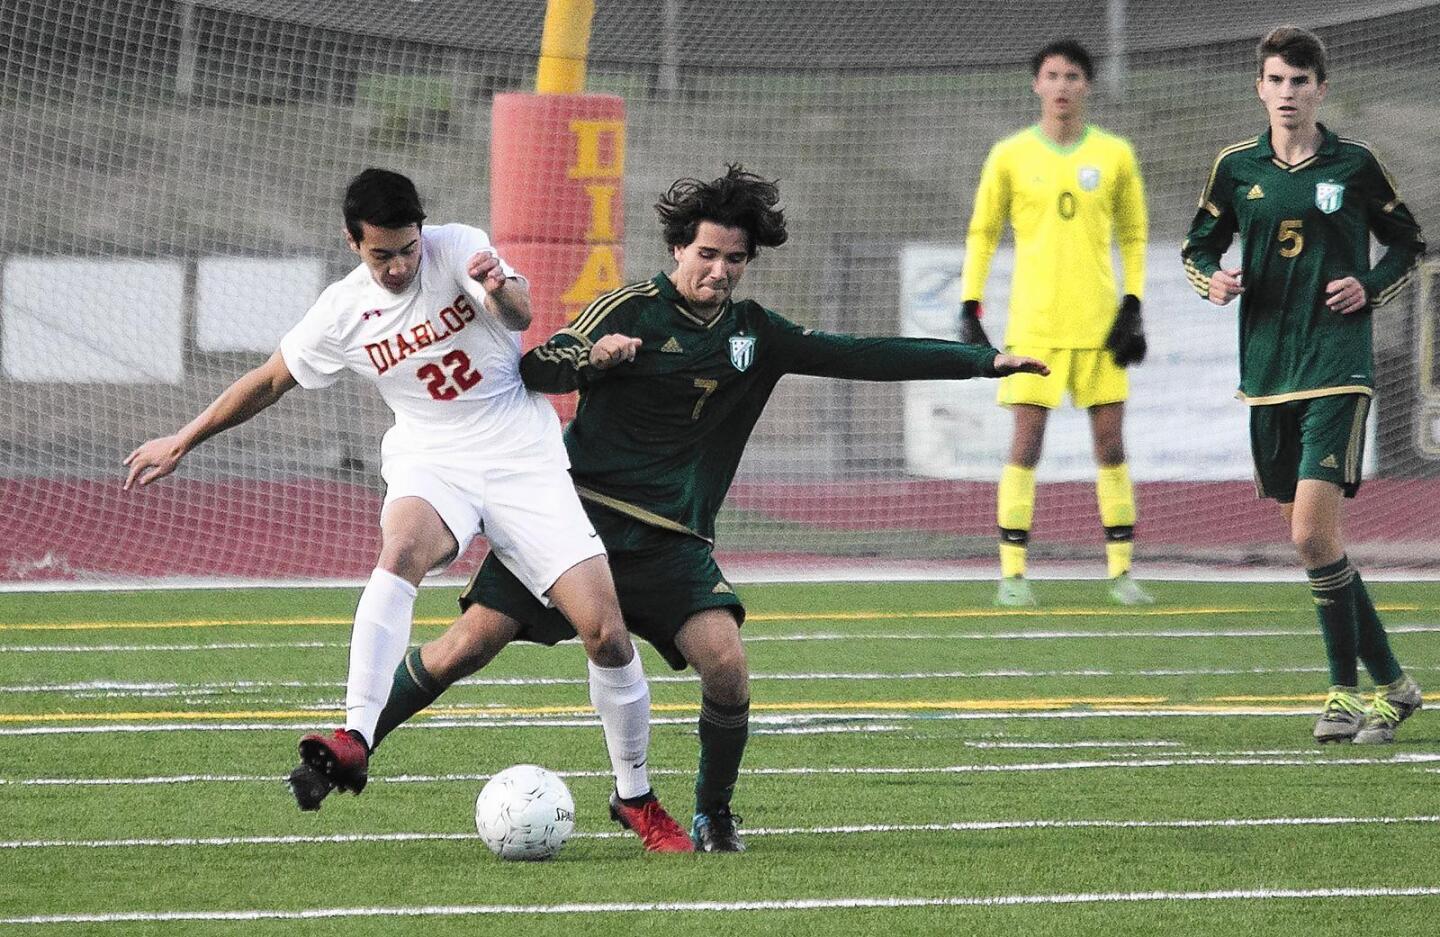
(971, 331)
(1126, 340)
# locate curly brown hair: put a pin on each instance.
(738, 199)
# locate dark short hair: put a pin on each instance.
(1066, 48)
(382, 198)
(738, 199)
(1298, 48)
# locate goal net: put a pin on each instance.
(169, 206)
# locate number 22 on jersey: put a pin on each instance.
(461, 377)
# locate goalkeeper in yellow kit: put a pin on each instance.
(1067, 188)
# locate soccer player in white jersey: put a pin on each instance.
(431, 317)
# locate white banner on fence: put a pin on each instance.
(1182, 422)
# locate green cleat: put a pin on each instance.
(1392, 705)
(1015, 592)
(1126, 591)
(1342, 717)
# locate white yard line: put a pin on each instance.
(148, 648)
(802, 569)
(1126, 760)
(1067, 634)
(752, 637)
(1153, 743)
(472, 722)
(839, 830)
(121, 688)
(712, 907)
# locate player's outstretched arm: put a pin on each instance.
(797, 350)
(507, 298)
(1019, 364)
(253, 392)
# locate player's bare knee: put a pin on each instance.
(610, 654)
(609, 645)
(731, 663)
(405, 557)
(1316, 547)
(725, 673)
(726, 682)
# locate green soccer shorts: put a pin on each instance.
(1319, 437)
(661, 577)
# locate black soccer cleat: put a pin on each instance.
(310, 787)
(715, 831)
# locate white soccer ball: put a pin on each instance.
(525, 812)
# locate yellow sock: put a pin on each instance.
(1012, 559)
(1014, 510)
(1116, 497)
(1117, 556)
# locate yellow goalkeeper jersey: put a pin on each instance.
(1065, 205)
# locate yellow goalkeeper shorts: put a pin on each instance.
(1090, 375)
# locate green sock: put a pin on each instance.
(1372, 644)
(414, 689)
(1335, 607)
(723, 733)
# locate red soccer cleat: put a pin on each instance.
(656, 828)
(341, 757)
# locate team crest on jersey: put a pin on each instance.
(1089, 178)
(742, 351)
(1328, 196)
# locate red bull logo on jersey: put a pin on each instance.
(742, 351)
(1328, 196)
(388, 352)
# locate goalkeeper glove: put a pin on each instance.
(1126, 340)
(971, 331)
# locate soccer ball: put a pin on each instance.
(525, 812)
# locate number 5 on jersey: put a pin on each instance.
(1292, 237)
(461, 378)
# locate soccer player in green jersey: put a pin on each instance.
(1305, 201)
(674, 372)
(1068, 189)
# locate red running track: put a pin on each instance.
(87, 530)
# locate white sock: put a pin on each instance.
(621, 696)
(377, 645)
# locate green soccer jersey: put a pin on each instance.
(1301, 227)
(659, 438)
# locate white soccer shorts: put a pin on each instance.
(529, 513)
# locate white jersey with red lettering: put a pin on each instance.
(447, 368)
